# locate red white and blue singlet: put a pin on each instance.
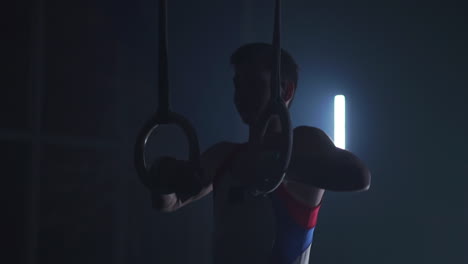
(295, 225)
(277, 229)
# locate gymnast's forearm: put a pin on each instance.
(175, 185)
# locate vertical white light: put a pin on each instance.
(340, 122)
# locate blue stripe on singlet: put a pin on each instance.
(291, 238)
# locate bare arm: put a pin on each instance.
(171, 202)
(209, 159)
(316, 165)
(316, 162)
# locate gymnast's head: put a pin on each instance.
(252, 65)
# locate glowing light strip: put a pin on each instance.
(340, 122)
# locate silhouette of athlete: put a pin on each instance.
(277, 228)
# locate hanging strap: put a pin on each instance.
(163, 81)
(276, 69)
(276, 107)
(163, 115)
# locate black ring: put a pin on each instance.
(276, 108)
(149, 128)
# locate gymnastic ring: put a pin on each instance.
(151, 127)
(284, 144)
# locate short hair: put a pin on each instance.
(262, 53)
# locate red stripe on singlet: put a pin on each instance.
(305, 215)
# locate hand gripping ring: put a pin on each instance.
(148, 129)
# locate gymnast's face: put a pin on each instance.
(251, 91)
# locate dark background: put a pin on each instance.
(79, 79)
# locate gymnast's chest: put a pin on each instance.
(239, 216)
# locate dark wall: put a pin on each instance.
(80, 80)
